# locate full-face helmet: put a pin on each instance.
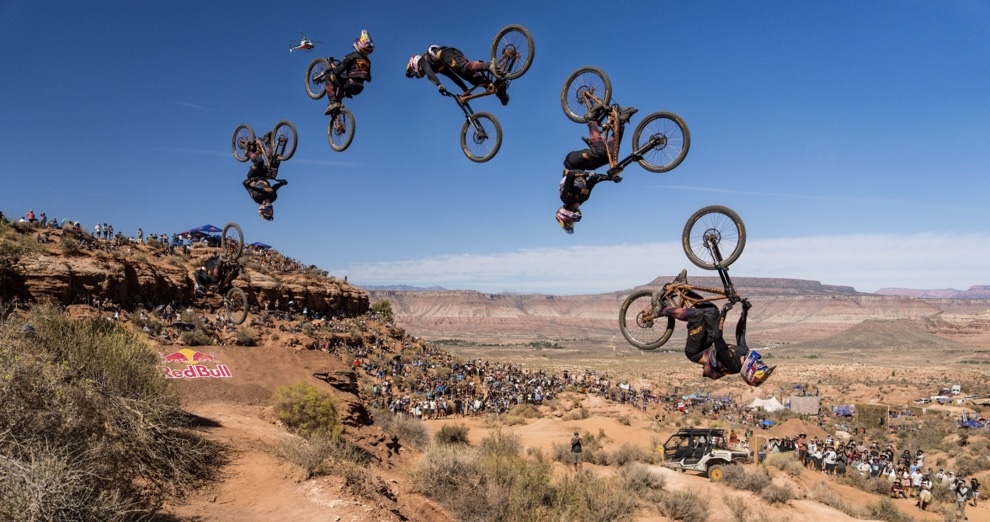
(266, 211)
(566, 218)
(412, 68)
(363, 44)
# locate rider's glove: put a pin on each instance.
(442, 89)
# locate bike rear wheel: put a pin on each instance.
(285, 129)
(340, 130)
(641, 325)
(316, 88)
(714, 226)
(231, 242)
(243, 137)
(236, 305)
(481, 137)
(512, 51)
(671, 141)
(587, 84)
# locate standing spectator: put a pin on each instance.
(140, 236)
(916, 477)
(576, 451)
(97, 232)
(30, 216)
(44, 219)
(925, 493)
(974, 486)
(829, 459)
(962, 496)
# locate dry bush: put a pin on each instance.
(737, 506)
(778, 493)
(244, 337)
(195, 337)
(686, 506)
(307, 410)
(828, 496)
(89, 429)
(643, 481)
(886, 510)
(526, 411)
(785, 462)
(737, 477)
(501, 444)
(577, 414)
(404, 428)
(452, 434)
(629, 453)
(307, 453)
(603, 500)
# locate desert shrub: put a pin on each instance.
(405, 428)
(629, 453)
(511, 420)
(244, 337)
(452, 434)
(886, 510)
(89, 429)
(195, 337)
(603, 500)
(785, 462)
(307, 453)
(684, 505)
(642, 481)
(307, 410)
(500, 443)
(624, 420)
(384, 309)
(736, 506)
(140, 257)
(737, 477)
(577, 414)
(143, 320)
(966, 465)
(829, 497)
(777, 493)
(69, 246)
(526, 411)
(875, 485)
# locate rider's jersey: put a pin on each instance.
(355, 67)
(575, 187)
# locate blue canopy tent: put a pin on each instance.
(206, 229)
(258, 245)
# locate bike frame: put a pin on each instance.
(687, 295)
(468, 111)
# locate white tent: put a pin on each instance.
(771, 404)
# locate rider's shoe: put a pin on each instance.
(500, 91)
(627, 113)
(331, 107)
(493, 68)
(595, 112)
(682, 277)
(586, 140)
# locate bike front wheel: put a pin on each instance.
(232, 242)
(481, 137)
(340, 130)
(641, 324)
(315, 79)
(669, 141)
(242, 139)
(584, 87)
(286, 131)
(236, 305)
(512, 51)
(711, 233)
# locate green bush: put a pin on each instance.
(69, 246)
(452, 434)
(308, 411)
(195, 337)
(383, 308)
(684, 505)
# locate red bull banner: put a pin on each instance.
(194, 365)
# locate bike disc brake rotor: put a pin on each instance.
(480, 137)
(644, 320)
(712, 237)
(660, 140)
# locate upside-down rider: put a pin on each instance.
(451, 62)
(263, 168)
(706, 346)
(577, 182)
(208, 274)
(348, 77)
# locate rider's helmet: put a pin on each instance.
(412, 68)
(567, 218)
(266, 211)
(363, 43)
(754, 371)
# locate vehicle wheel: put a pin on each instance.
(232, 242)
(340, 130)
(243, 136)
(639, 323)
(315, 89)
(236, 305)
(672, 141)
(588, 82)
(715, 226)
(512, 51)
(716, 473)
(481, 137)
(285, 129)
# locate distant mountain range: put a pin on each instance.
(974, 292)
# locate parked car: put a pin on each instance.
(702, 449)
(922, 401)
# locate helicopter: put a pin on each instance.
(305, 44)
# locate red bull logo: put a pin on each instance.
(193, 369)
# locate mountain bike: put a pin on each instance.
(511, 55)
(276, 146)
(340, 129)
(234, 299)
(660, 142)
(713, 238)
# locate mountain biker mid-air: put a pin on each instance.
(577, 183)
(451, 62)
(263, 168)
(706, 346)
(348, 77)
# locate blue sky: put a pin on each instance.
(852, 137)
